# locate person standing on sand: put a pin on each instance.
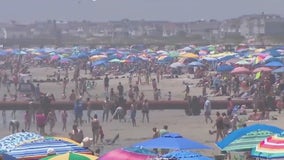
(207, 110)
(106, 109)
(51, 118)
(28, 120)
(95, 129)
(106, 83)
(133, 115)
(89, 109)
(145, 110)
(64, 116)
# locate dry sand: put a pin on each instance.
(192, 127)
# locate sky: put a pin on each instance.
(28, 11)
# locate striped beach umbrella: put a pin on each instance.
(270, 148)
(245, 139)
(71, 156)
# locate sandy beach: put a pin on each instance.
(192, 127)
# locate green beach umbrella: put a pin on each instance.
(71, 156)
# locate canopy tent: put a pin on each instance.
(247, 138)
(171, 141)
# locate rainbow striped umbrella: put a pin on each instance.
(270, 148)
(71, 156)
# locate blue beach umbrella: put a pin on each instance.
(278, 70)
(186, 155)
(171, 141)
(274, 64)
(225, 68)
(7, 157)
(195, 63)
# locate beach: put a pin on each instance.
(192, 127)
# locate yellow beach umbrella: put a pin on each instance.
(189, 55)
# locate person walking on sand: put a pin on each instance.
(219, 127)
(207, 110)
(95, 129)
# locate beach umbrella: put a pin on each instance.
(270, 148)
(7, 157)
(12, 141)
(114, 60)
(176, 65)
(39, 148)
(224, 68)
(55, 57)
(129, 153)
(243, 62)
(100, 62)
(65, 60)
(97, 57)
(247, 138)
(189, 55)
(171, 141)
(262, 69)
(185, 155)
(278, 70)
(195, 64)
(71, 156)
(240, 70)
(274, 64)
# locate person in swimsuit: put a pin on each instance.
(220, 126)
(95, 129)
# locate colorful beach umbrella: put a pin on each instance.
(71, 156)
(247, 138)
(129, 153)
(114, 60)
(189, 55)
(240, 70)
(38, 149)
(270, 148)
(185, 155)
(171, 141)
(262, 69)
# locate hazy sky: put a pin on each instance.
(26, 11)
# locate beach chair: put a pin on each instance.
(111, 141)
